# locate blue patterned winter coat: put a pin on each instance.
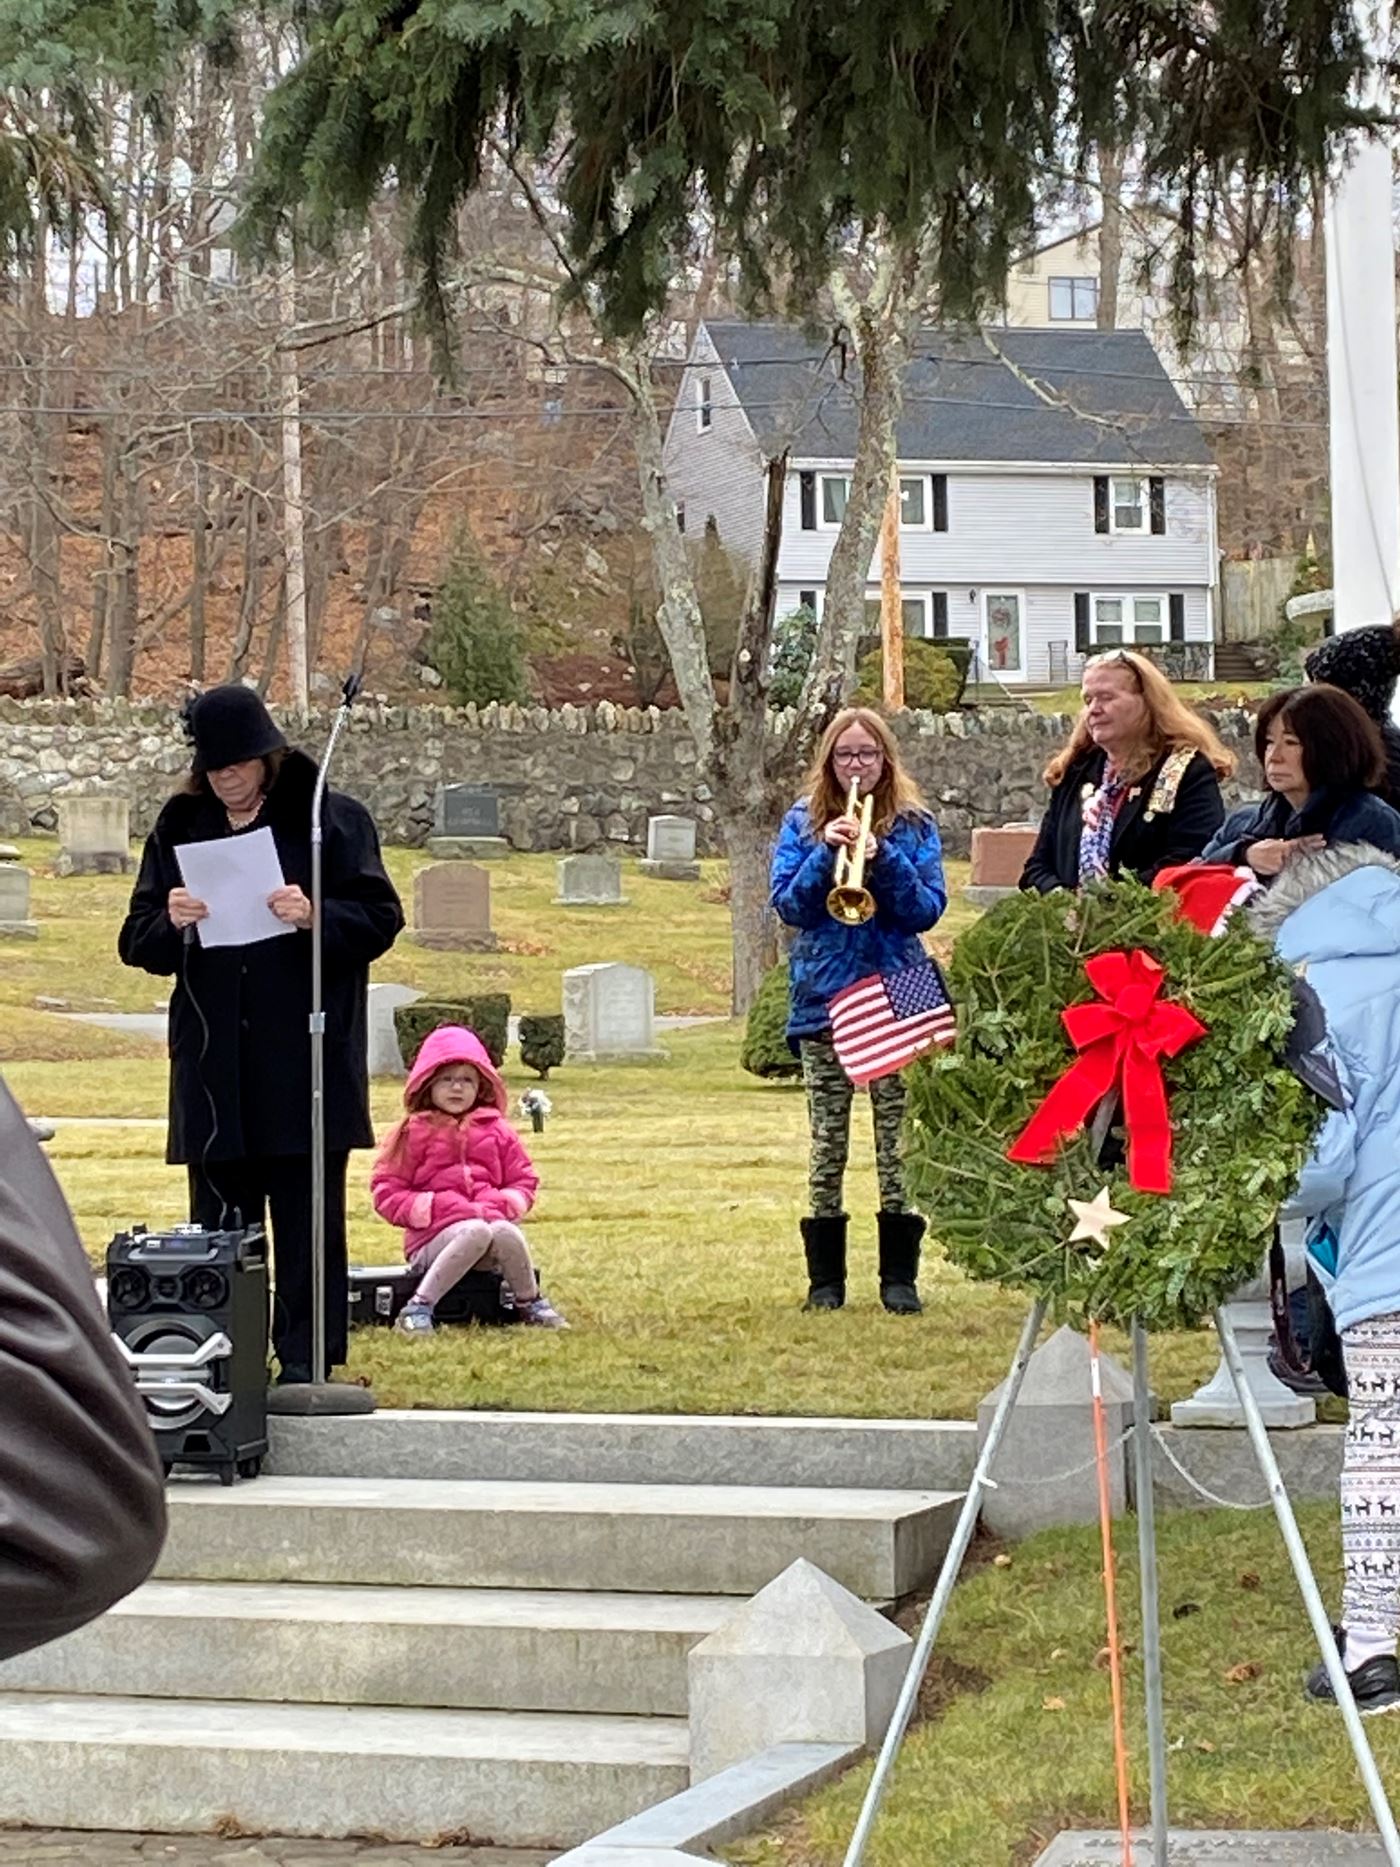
(906, 879)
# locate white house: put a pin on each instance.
(1057, 502)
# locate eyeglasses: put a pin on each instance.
(865, 755)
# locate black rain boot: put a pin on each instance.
(825, 1242)
(900, 1233)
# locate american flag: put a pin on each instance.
(886, 1020)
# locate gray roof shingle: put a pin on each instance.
(962, 403)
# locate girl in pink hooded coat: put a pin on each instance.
(455, 1176)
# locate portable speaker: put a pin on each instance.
(189, 1311)
(379, 1291)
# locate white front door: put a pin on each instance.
(1004, 633)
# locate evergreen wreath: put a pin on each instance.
(1242, 1123)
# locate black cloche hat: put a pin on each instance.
(228, 725)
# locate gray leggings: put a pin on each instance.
(475, 1244)
(829, 1092)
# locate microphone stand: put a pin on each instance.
(322, 1396)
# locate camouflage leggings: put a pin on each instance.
(829, 1092)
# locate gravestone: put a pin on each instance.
(590, 882)
(998, 857)
(15, 923)
(1216, 1403)
(467, 823)
(385, 1057)
(94, 834)
(452, 908)
(671, 850)
(609, 1013)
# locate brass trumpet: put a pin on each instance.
(850, 901)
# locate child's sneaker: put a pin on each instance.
(541, 1312)
(415, 1319)
(1375, 1684)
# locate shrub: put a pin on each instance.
(488, 1014)
(765, 1049)
(794, 639)
(931, 679)
(542, 1043)
(475, 641)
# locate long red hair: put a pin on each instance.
(896, 794)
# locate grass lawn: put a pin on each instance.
(1016, 1739)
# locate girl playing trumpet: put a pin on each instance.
(857, 769)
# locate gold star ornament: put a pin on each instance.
(1094, 1219)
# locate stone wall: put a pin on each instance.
(568, 779)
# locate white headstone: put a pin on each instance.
(805, 1661)
(590, 881)
(15, 923)
(609, 1012)
(670, 839)
(94, 834)
(385, 1057)
(1216, 1402)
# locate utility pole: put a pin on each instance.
(891, 602)
(1364, 419)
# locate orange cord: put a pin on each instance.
(1115, 1665)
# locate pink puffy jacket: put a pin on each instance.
(436, 1169)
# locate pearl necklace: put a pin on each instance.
(240, 819)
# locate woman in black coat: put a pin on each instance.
(1137, 788)
(240, 1054)
(1321, 755)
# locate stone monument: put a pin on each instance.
(671, 850)
(998, 857)
(1216, 1403)
(1051, 1431)
(467, 823)
(452, 908)
(15, 923)
(590, 882)
(609, 1013)
(94, 834)
(385, 1057)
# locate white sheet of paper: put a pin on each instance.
(233, 876)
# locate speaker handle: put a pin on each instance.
(217, 1348)
(187, 1390)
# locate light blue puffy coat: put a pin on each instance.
(906, 879)
(1336, 917)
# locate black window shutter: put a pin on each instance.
(1101, 502)
(808, 600)
(1157, 503)
(940, 502)
(680, 515)
(1082, 644)
(808, 482)
(1176, 609)
(940, 612)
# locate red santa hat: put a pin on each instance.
(1208, 892)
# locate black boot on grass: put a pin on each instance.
(900, 1233)
(825, 1242)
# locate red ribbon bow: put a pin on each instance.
(1123, 1041)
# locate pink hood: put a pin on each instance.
(453, 1043)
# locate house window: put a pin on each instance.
(915, 606)
(914, 504)
(835, 491)
(1074, 301)
(1124, 621)
(1128, 505)
(704, 409)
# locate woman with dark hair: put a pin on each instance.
(240, 1054)
(1322, 757)
(1137, 788)
(1365, 663)
(905, 878)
